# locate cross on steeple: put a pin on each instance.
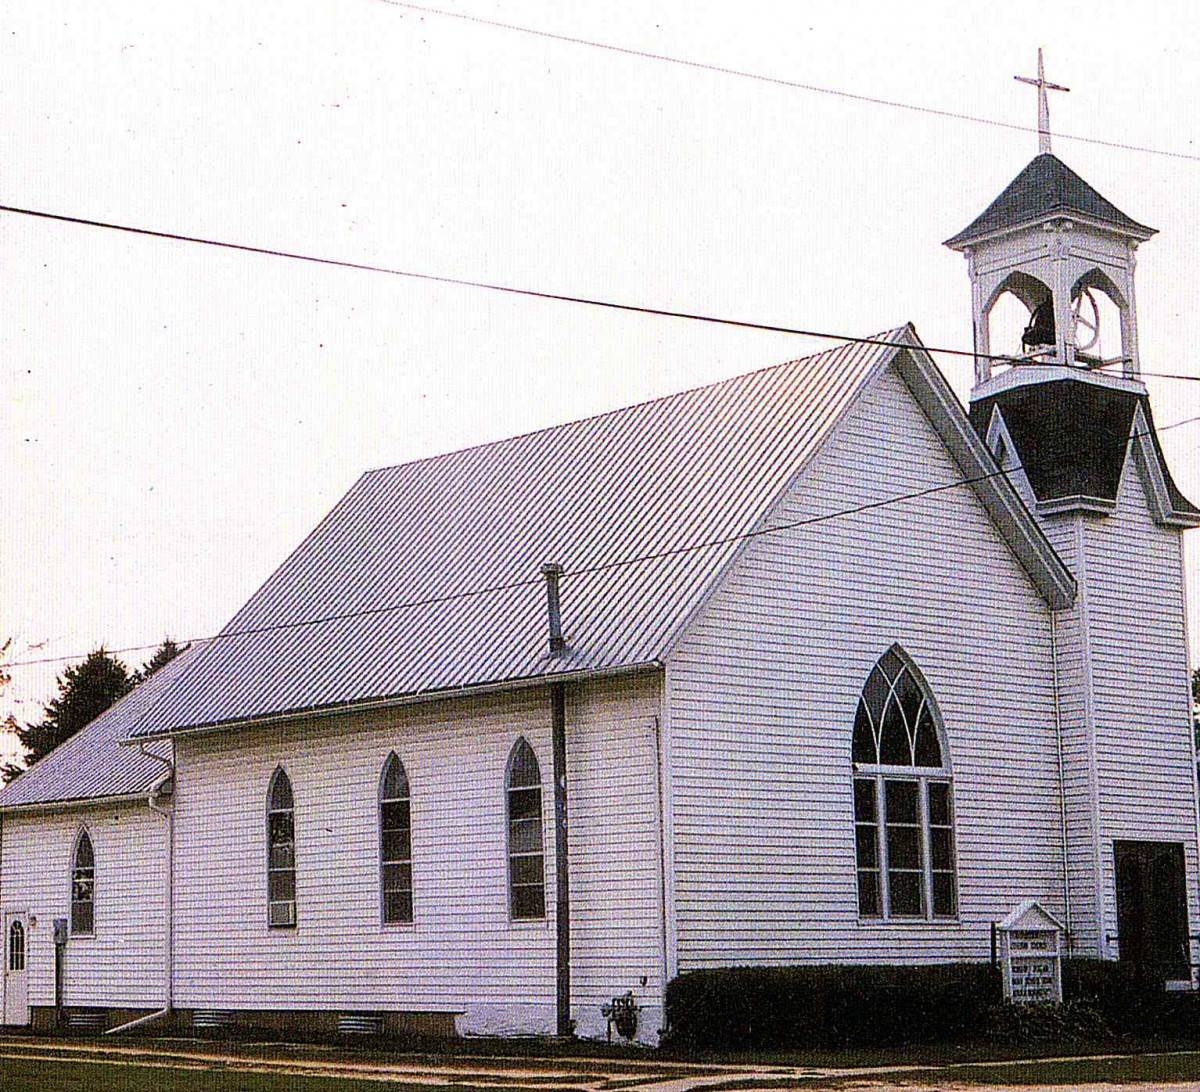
(1043, 85)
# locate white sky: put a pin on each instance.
(173, 419)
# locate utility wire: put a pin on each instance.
(587, 570)
(779, 82)
(513, 290)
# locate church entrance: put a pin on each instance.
(16, 997)
(1152, 922)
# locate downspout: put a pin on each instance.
(168, 814)
(558, 722)
(1062, 781)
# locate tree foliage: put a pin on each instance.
(1196, 704)
(84, 692)
(166, 652)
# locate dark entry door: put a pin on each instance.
(1152, 924)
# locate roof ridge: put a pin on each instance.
(873, 340)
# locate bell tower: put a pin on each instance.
(1063, 408)
(1055, 244)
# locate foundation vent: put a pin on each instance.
(87, 1019)
(360, 1023)
(213, 1019)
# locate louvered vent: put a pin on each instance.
(212, 1019)
(360, 1023)
(87, 1019)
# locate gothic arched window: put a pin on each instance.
(16, 945)
(83, 886)
(903, 810)
(395, 843)
(281, 852)
(526, 868)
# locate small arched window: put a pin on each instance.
(16, 946)
(395, 843)
(83, 886)
(526, 868)
(903, 810)
(281, 852)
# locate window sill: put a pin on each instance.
(956, 920)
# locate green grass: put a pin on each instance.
(33, 1075)
(1150, 1070)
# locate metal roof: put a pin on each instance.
(1046, 187)
(92, 763)
(653, 479)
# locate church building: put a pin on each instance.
(810, 665)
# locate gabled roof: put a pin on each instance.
(424, 578)
(1046, 187)
(92, 764)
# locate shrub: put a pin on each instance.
(1072, 1021)
(830, 1006)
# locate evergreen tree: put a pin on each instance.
(166, 652)
(84, 692)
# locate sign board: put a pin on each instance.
(1031, 955)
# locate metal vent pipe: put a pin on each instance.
(552, 571)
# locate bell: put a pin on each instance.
(1040, 331)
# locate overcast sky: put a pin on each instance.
(174, 418)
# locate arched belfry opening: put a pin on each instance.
(1054, 314)
(1054, 258)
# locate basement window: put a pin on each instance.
(526, 864)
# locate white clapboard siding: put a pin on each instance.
(1144, 748)
(762, 693)
(462, 954)
(122, 964)
(1074, 644)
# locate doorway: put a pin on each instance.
(1152, 919)
(16, 994)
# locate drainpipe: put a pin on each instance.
(558, 723)
(168, 814)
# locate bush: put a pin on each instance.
(1072, 1021)
(830, 1006)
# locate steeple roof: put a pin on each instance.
(1046, 187)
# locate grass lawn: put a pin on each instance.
(35, 1075)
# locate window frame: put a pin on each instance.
(16, 931)
(83, 835)
(878, 775)
(410, 921)
(510, 855)
(279, 773)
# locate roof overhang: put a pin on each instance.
(75, 802)
(370, 705)
(965, 240)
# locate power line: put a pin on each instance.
(586, 570)
(780, 82)
(513, 290)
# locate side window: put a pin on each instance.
(903, 806)
(16, 946)
(395, 844)
(526, 867)
(281, 852)
(83, 886)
